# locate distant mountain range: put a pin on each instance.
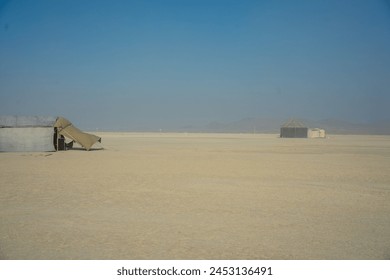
(266, 125)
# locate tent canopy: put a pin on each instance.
(67, 129)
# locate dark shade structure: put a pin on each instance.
(293, 129)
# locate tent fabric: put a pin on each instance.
(67, 129)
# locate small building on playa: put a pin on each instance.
(293, 129)
(296, 129)
(316, 133)
(41, 134)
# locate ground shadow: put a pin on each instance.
(83, 149)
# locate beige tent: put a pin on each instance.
(66, 129)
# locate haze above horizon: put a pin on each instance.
(158, 64)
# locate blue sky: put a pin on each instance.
(167, 64)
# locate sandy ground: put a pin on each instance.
(199, 196)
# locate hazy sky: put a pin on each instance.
(163, 64)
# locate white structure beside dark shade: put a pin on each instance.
(296, 129)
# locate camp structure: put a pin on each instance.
(65, 128)
(293, 129)
(296, 129)
(41, 134)
(316, 133)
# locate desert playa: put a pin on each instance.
(199, 196)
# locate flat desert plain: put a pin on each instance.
(199, 196)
